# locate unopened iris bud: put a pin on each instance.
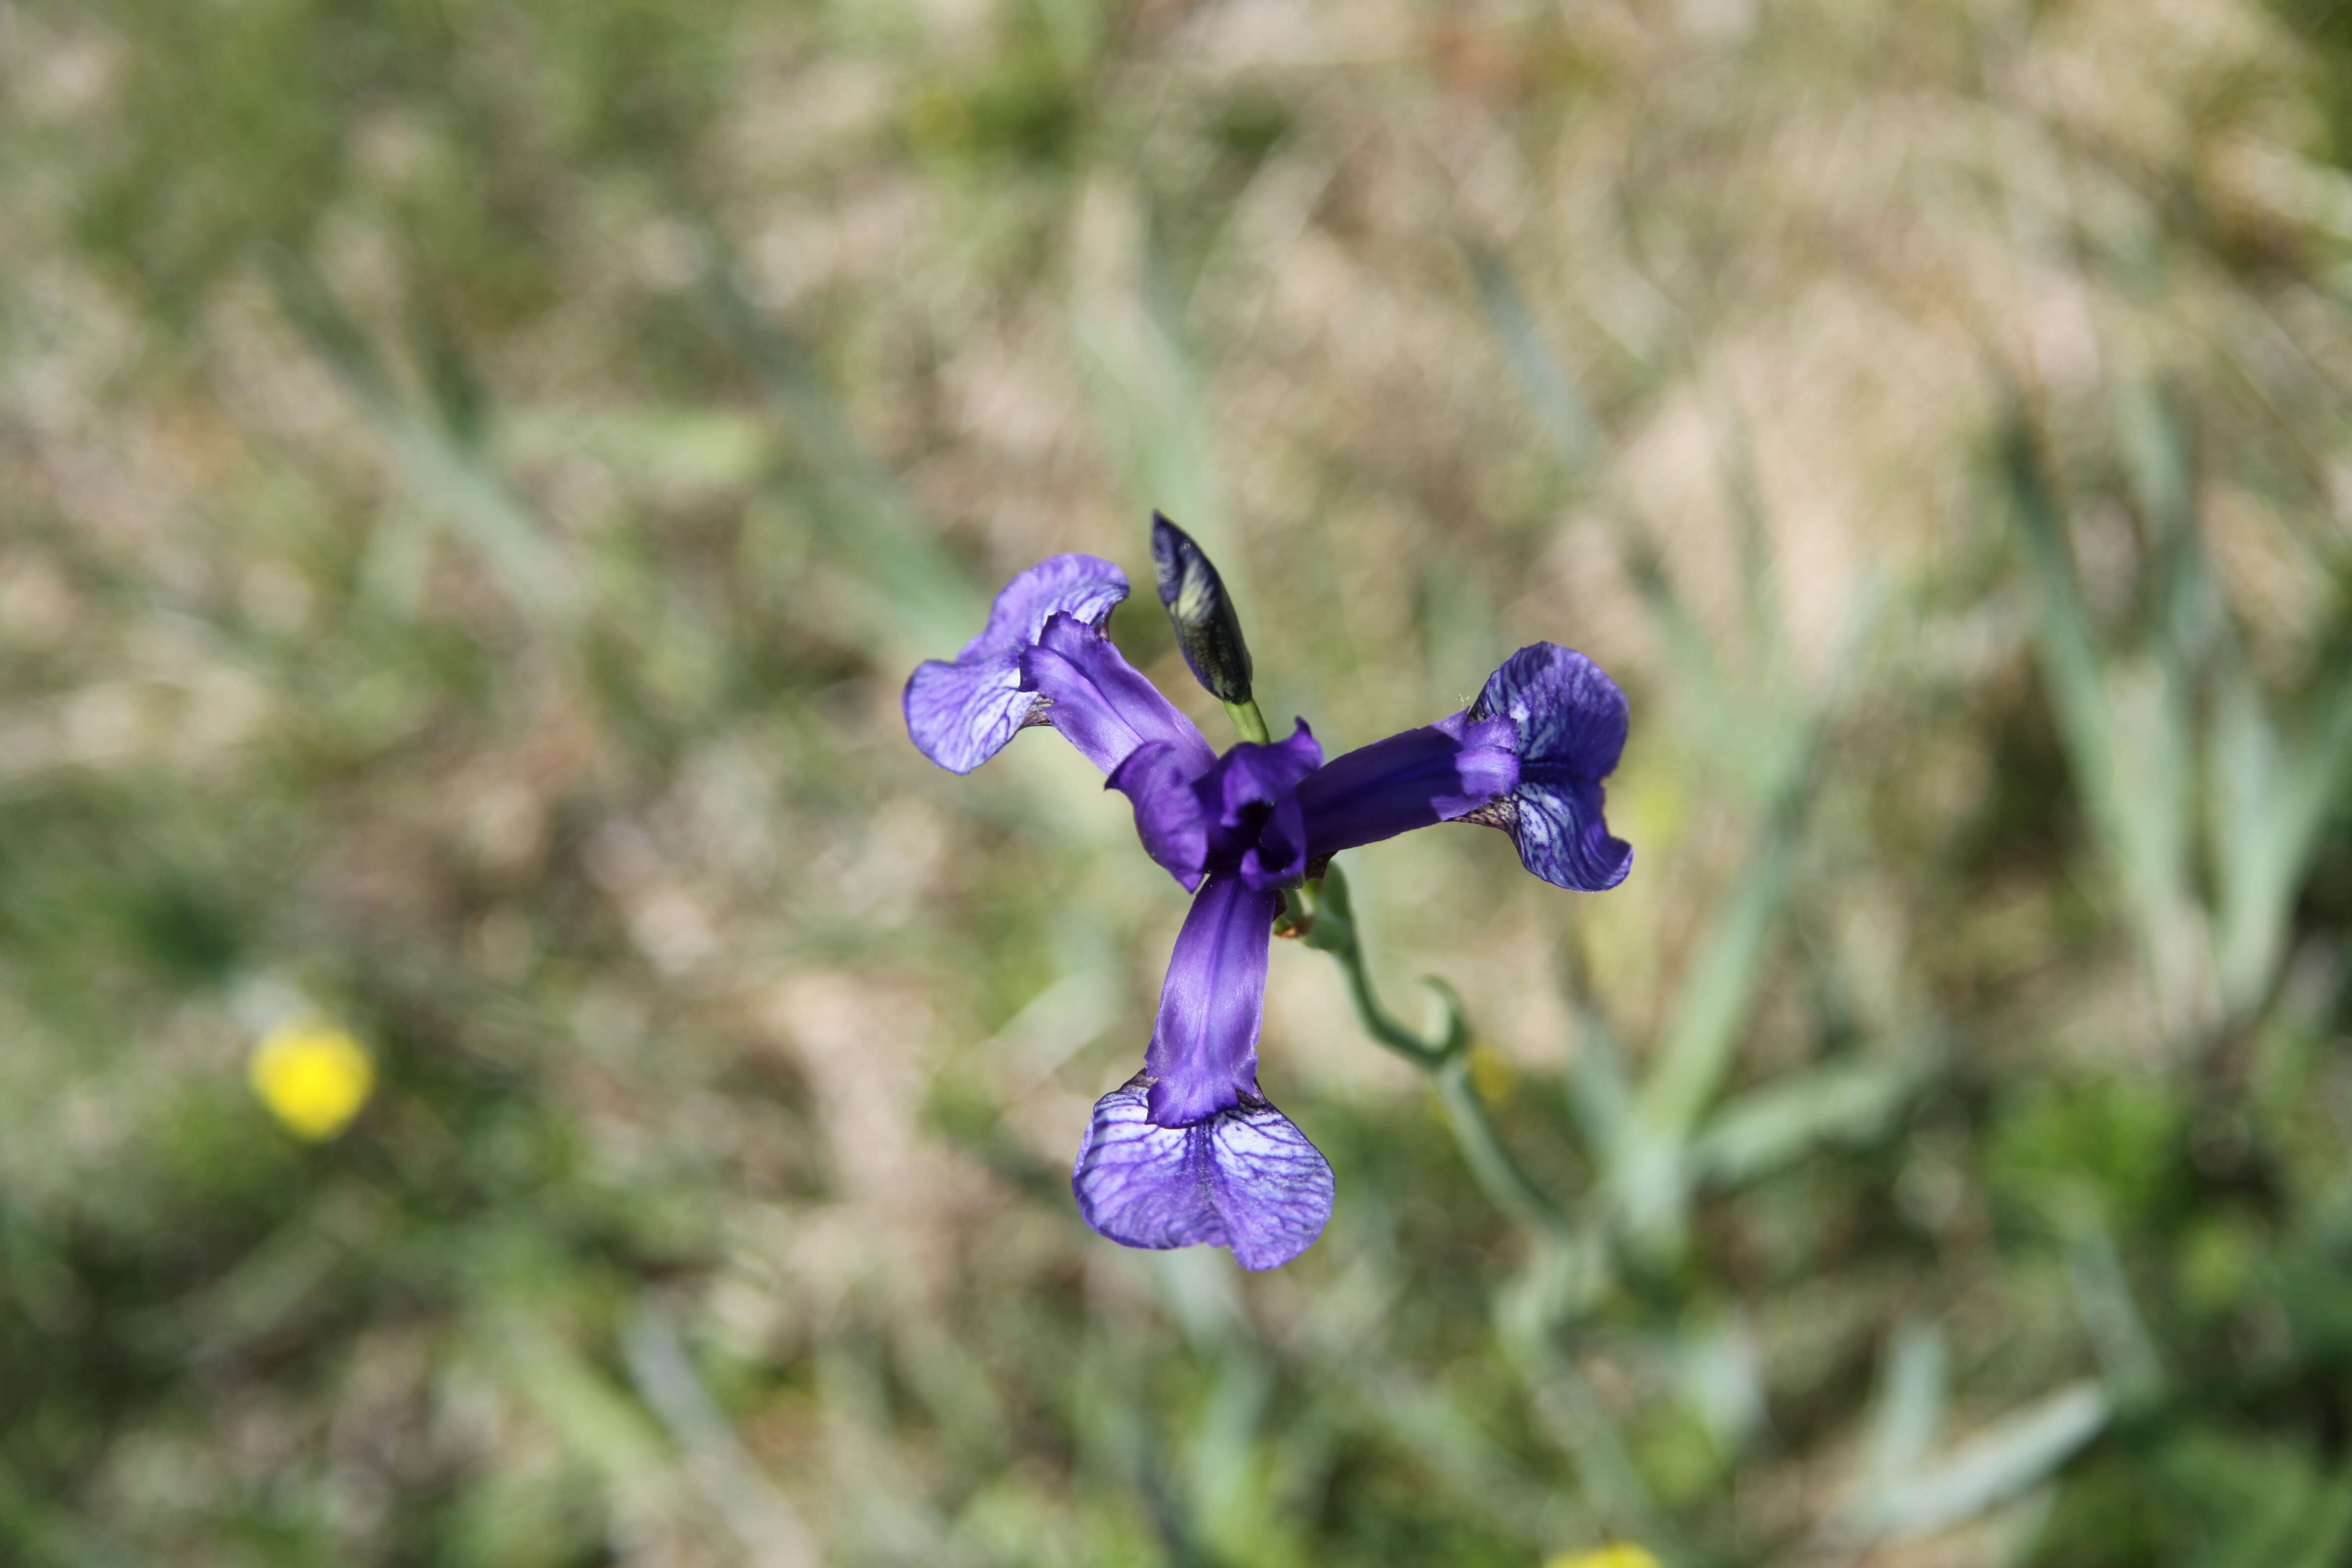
(1207, 631)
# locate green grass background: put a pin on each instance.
(474, 478)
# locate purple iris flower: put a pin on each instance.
(1189, 1150)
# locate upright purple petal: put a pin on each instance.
(1246, 1178)
(1569, 719)
(1431, 774)
(961, 715)
(1086, 588)
(1242, 814)
(1255, 793)
(1203, 1053)
(1104, 705)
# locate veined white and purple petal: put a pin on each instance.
(1569, 720)
(962, 714)
(1560, 835)
(1431, 774)
(1203, 1052)
(1103, 705)
(1245, 1178)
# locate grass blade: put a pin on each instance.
(442, 471)
(1574, 435)
(2016, 1454)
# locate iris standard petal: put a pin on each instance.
(1569, 719)
(1104, 705)
(1259, 773)
(1203, 1052)
(1255, 793)
(1278, 859)
(1240, 814)
(960, 714)
(1431, 774)
(1246, 1178)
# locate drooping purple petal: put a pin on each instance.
(961, 715)
(1104, 705)
(1246, 1178)
(1569, 720)
(1431, 774)
(1203, 1052)
(1561, 836)
(1169, 817)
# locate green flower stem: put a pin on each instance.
(1565, 1266)
(1248, 720)
(1323, 913)
(1498, 1174)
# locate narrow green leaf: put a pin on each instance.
(759, 1516)
(2272, 789)
(1549, 392)
(444, 473)
(2103, 1294)
(1778, 1123)
(916, 592)
(2014, 1455)
(1127, 324)
(1911, 1393)
(1715, 994)
(2126, 732)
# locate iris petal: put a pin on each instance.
(1569, 718)
(1103, 705)
(1563, 837)
(1568, 712)
(1263, 774)
(1435, 773)
(1159, 778)
(1203, 1052)
(960, 714)
(1255, 793)
(1246, 1178)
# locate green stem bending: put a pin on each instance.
(1498, 1175)
(1321, 912)
(1565, 1266)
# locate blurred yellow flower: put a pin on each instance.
(313, 1077)
(1496, 1078)
(1616, 1554)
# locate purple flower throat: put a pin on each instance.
(1188, 1151)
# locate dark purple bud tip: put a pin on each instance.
(1244, 1178)
(1208, 632)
